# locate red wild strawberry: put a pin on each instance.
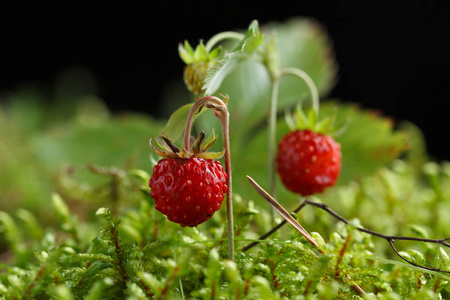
(188, 191)
(188, 186)
(308, 160)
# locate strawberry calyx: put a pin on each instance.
(299, 120)
(196, 148)
(200, 54)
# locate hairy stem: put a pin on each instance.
(222, 36)
(221, 112)
(226, 141)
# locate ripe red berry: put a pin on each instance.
(308, 162)
(188, 190)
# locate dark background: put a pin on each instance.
(393, 56)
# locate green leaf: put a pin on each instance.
(443, 260)
(215, 76)
(9, 228)
(304, 44)
(61, 209)
(218, 72)
(252, 40)
(301, 43)
(416, 256)
(175, 126)
(368, 143)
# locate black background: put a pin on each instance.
(393, 56)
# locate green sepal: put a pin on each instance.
(310, 121)
(201, 54)
(160, 152)
(215, 53)
(189, 56)
(312, 117)
(302, 121)
(186, 52)
(325, 124)
(161, 144)
(210, 155)
(197, 148)
(290, 120)
(168, 144)
(198, 142)
(209, 142)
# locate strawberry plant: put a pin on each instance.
(89, 211)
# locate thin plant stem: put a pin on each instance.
(222, 36)
(309, 82)
(221, 112)
(272, 135)
(227, 159)
(391, 239)
(272, 119)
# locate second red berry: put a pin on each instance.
(308, 162)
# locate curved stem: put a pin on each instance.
(273, 115)
(188, 126)
(221, 112)
(223, 36)
(309, 82)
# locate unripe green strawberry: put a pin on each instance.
(194, 76)
(198, 63)
(308, 162)
(188, 191)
